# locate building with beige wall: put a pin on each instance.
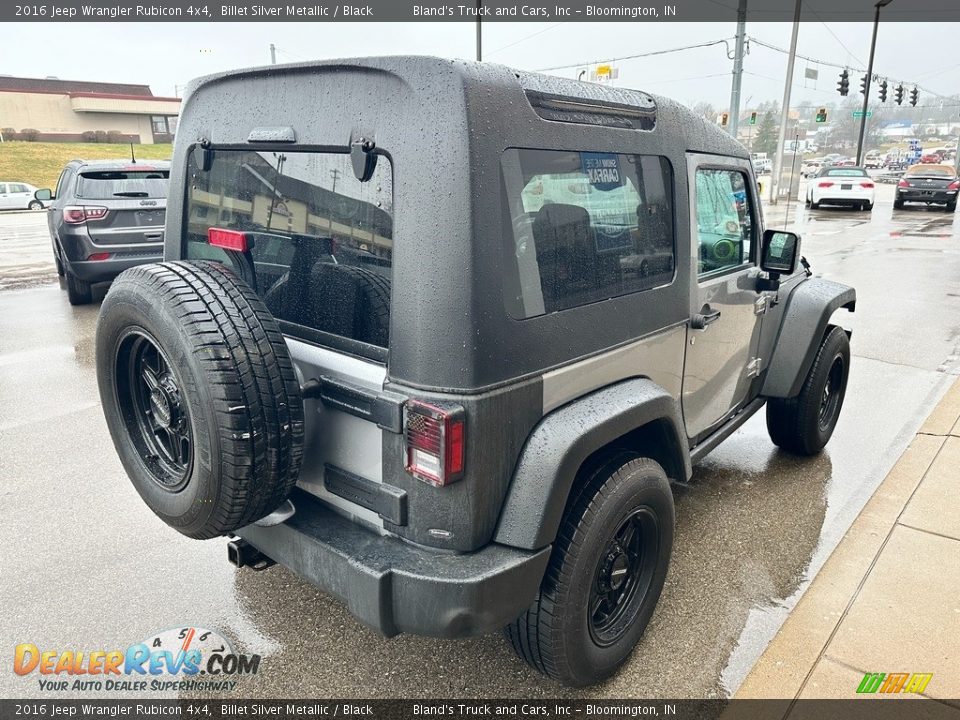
(51, 109)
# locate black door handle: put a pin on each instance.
(706, 316)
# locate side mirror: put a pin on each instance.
(43, 195)
(780, 252)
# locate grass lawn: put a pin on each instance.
(40, 163)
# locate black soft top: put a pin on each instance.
(444, 125)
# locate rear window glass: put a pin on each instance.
(320, 241)
(932, 171)
(845, 172)
(584, 227)
(107, 184)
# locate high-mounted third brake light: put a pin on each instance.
(435, 441)
(228, 239)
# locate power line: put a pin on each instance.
(634, 57)
(524, 39)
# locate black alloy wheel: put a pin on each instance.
(623, 576)
(155, 413)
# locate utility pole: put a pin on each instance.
(479, 38)
(273, 54)
(738, 69)
(866, 86)
(785, 107)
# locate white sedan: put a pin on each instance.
(841, 186)
(18, 196)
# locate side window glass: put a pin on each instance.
(584, 227)
(724, 220)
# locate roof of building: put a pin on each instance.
(55, 85)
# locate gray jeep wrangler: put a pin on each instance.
(438, 336)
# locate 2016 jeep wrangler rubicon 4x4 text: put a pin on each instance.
(439, 335)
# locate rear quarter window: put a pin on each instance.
(582, 227)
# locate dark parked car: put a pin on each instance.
(450, 377)
(928, 184)
(105, 216)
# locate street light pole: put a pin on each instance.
(866, 87)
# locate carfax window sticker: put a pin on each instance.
(603, 169)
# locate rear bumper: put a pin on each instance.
(393, 586)
(927, 196)
(95, 271)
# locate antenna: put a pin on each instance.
(133, 159)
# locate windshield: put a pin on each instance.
(107, 184)
(944, 171)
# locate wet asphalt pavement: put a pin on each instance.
(85, 565)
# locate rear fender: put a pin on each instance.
(804, 323)
(632, 413)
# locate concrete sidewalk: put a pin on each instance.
(888, 598)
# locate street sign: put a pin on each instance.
(859, 113)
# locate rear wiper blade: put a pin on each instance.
(132, 193)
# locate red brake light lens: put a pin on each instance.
(955, 185)
(903, 183)
(825, 184)
(866, 184)
(435, 442)
(99, 256)
(228, 239)
(78, 214)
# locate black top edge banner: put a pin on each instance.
(638, 11)
(890, 707)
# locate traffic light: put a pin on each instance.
(898, 95)
(863, 84)
(883, 91)
(914, 96)
(753, 118)
(843, 87)
(821, 115)
(724, 119)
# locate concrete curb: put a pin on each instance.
(800, 662)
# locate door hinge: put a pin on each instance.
(760, 305)
(753, 367)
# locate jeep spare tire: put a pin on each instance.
(200, 396)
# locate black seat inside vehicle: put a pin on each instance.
(565, 253)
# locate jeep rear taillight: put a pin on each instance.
(79, 214)
(435, 441)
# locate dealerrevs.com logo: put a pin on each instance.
(184, 658)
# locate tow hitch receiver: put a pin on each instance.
(243, 554)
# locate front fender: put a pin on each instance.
(804, 323)
(561, 442)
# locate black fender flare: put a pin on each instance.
(564, 439)
(804, 323)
